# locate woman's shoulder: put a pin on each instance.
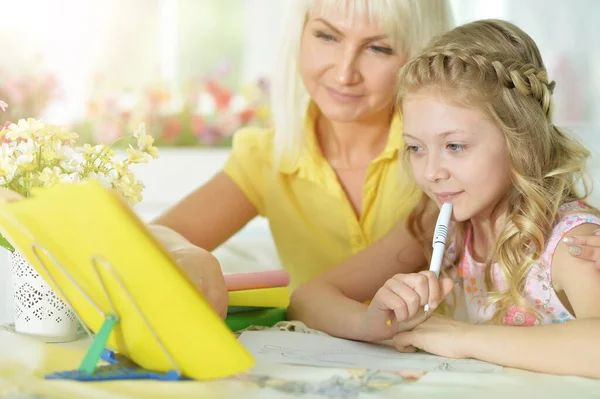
(251, 148)
(254, 137)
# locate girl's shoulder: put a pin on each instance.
(573, 214)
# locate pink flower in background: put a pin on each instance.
(197, 125)
(107, 133)
(3, 105)
(210, 135)
(172, 129)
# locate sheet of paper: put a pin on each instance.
(324, 351)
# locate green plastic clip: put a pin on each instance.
(90, 361)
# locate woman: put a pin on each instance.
(327, 177)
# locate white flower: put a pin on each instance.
(51, 176)
(104, 180)
(24, 129)
(3, 105)
(27, 147)
(140, 135)
(35, 154)
(24, 159)
(65, 152)
(113, 175)
(71, 165)
(145, 142)
(6, 150)
(7, 168)
(136, 156)
(70, 178)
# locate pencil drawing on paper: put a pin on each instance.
(347, 357)
(320, 351)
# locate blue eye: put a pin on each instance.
(455, 147)
(413, 149)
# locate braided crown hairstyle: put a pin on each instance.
(494, 66)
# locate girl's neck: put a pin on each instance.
(485, 232)
(355, 144)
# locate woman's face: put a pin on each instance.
(348, 66)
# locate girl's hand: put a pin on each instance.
(585, 247)
(398, 305)
(438, 335)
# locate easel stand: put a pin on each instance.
(118, 367)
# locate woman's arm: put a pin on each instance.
(569, 348)
(335, 301)
(211, 214)
(198, 224)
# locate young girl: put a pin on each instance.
(479, 134)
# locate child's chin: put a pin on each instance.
(459, 216)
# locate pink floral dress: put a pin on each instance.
(468, 296)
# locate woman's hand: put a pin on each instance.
(9, 195)
(398, 305)
(204, 271)
(585, 247)
(439, 335)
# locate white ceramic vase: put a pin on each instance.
(38, 310)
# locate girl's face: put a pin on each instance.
(348, 67)
(457, 154)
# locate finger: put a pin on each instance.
(584, 252)
(389, 300)
(407, 349)
(403, 341)
(589, 240)
(214, 288)
(411, 299)
(433, 287)
(421, 284)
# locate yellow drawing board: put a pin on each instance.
(74, 223)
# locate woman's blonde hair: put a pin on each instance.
(495, 67)
(409, 24)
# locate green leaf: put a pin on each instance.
(5, 244)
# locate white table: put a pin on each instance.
(23, 361)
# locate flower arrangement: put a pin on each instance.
(36, 154)
(205, 112)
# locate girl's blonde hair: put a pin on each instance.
(409, 24)
(495, 67)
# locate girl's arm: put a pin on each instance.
(335, 301)
(570, 348)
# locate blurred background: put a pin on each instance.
(196, 70)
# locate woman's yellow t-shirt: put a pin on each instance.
(312, 221)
